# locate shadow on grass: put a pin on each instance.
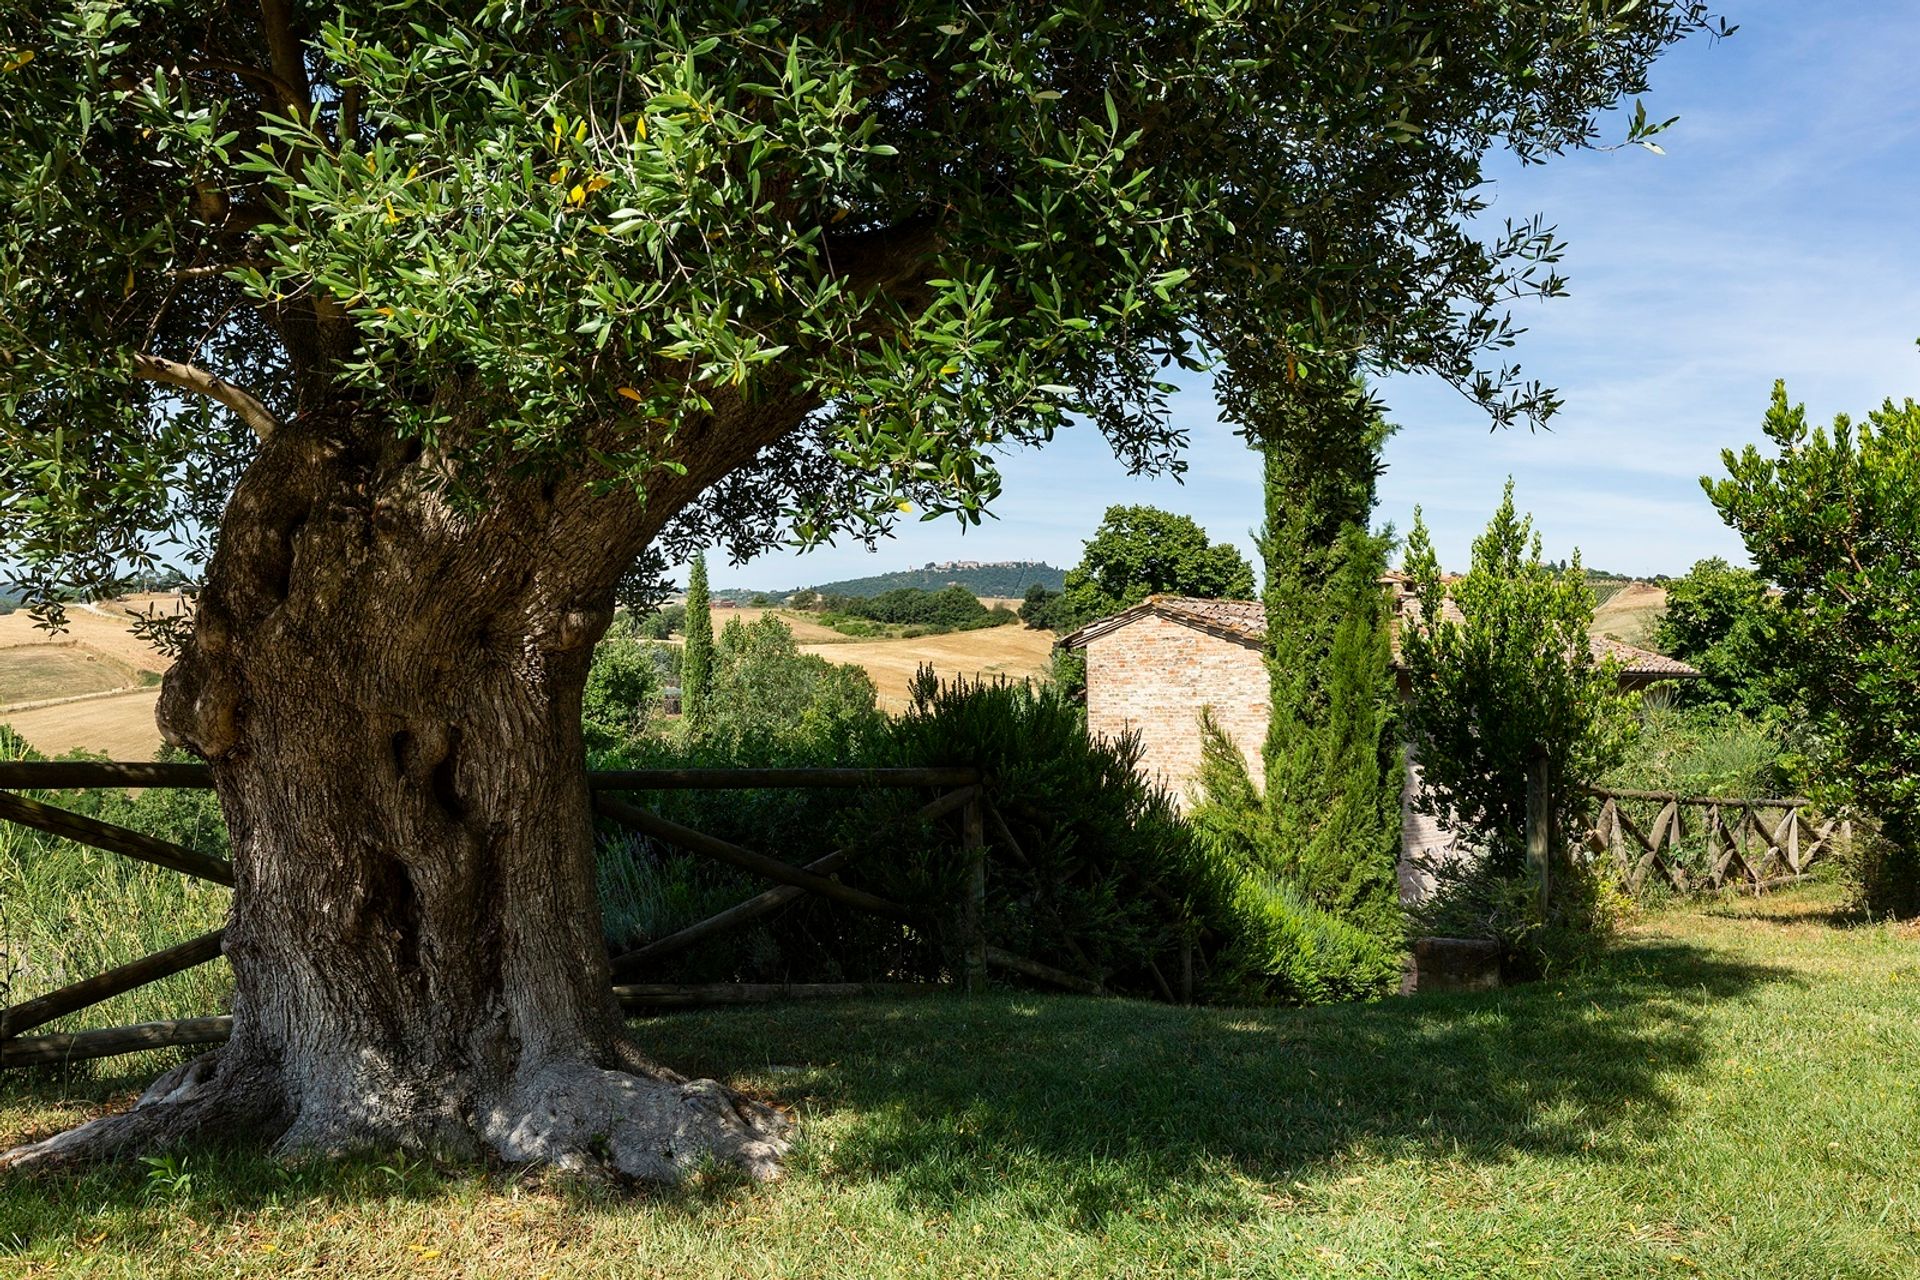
(1095, 1100)
(1074, 1108)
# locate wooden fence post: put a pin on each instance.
(973, 900)
(1540, 828)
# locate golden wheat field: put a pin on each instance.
(89, 686)
(97, 653)
(1012, 651)
(1631, 614)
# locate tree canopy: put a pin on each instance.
(1722, 621)
(868, 244)
(1143, 551)
(1833, 517)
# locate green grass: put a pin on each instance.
(1731, 1093)
(37, 673)
(68, 911)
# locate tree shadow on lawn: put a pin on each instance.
(1066, 1107)
(1095, 1103)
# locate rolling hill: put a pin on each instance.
(1007, 578)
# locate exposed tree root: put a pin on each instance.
(655, 1128)
(646, 1123)
(191, 1103)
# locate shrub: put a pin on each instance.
(622, 686)
(1703, 751)
(1473, 899)
(1106, 880)
(764, 688)
(1287, 949)
(1515, 675)
(1284, 945)
(662, 623)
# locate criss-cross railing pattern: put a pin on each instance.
(1696, 844)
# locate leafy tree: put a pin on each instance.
(1834, 519)
(621, 686)
(1513, 675)
(1040, 607)
(663, 622)
(430, 324)
(696, 650)
(1142, 551)
(765, 689)
(1722, 621)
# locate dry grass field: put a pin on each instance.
(40, 672)
(47, 666)
(1011, 651)
(104, 628)
(1631, 614)
(96, 652)
(120, 726)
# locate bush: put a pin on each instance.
(1289, 950)
(622, 687)
(763, 688)
(1473, 899)
(662, 623)
(1703, 751)
(1882, 876)
(1285, 946)
(1102, 877)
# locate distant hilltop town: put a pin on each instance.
(947, 566)
(992, 579)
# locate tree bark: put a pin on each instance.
(388, 689)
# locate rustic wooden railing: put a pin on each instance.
(964, 792)
(1698, 844)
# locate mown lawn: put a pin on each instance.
(1736, 1092)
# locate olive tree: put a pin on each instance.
(432, 324)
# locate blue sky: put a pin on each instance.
(1776, 238)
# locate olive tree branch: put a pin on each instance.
(152, 368)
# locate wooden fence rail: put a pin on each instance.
(1696, 844)
(965, 794)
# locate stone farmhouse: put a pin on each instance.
(1151, 668)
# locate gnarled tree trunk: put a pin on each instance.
(388, 691)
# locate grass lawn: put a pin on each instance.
(1735, 1092)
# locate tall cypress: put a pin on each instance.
(696, 656)
(1331, 803)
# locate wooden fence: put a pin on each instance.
(1698, 844)
(963, 793)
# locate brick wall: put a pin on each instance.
(1153, 676)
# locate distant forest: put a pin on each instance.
(1011, 580)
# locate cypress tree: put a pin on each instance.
(696, 656)
(1331, 806)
